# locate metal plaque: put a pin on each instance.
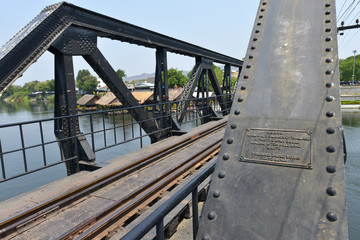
(290, 148)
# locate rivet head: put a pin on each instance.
(230, 141)
(258, 24)
(251, 56)
(329, 85)
(261, 16)
(216, 194)
(206, 237)
(242, 87)
(331, 216)
(246, 76)
(327, 13)
(328, 30)
(328, 72)
(221, 175)
(330, 98)
(233, 126)
(327, 5)
(253, 48)
(237, 112)
(330, 130)
(330, 114)
(328, 39)
(331, 191)
(330, 149)
(328, 60)
(226, 156)
(262, 10)
(248, 66)
(264, 3)
(331, 169)
(328, 21)
(257, 31)
(328, 49)
(211, 215)
(240, 99)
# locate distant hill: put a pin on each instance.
(148, 76)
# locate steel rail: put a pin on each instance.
(10, 225)
(96, 225)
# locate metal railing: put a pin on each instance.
(156, 218)
(31, 146)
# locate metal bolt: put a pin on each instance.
(330, 149)
(253, 48)
(330, 130)
(330, 98)
(226, 156)
(330, 85)
(258, 23)
(261, 16)
(240, 99)
(246, 76)
(328, 72)
(262, 10)
(331, 216)
(257, 31)
(206, 237)
(216, 194)
(221, 175)
(248, 66)
(327, 5)
(328, 49)
(328, 60)
(233, 126)
(264, 3)
(327, 21)
(328, 39)
(251, 56)
(327, 13)
(330, 114)
(243, 87)
(328, 30)
(331, 169)
(237, 112)
(230, 141)
(211, 215)
(331, 191)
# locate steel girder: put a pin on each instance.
(280, 171)
(203, 67)
(35, 38)
(67, 128)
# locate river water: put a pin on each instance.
(26, 112)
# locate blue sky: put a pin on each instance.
(221, 26)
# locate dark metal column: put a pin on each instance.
(226, 89)
(65, 105)
(280, 170)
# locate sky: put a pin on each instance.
(221, 26)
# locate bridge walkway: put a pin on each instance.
(61, 220)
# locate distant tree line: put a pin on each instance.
(346, 69)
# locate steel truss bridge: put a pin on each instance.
(280, 169)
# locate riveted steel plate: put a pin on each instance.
(272, 179)
(288, 148)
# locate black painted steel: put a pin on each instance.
(34, 39)
(280, 172)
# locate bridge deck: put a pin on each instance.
(60, 221)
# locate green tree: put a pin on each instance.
(121, 73)
(85, 81)
(30, 86)
(177, 78)
(346, 69)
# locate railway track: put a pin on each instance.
(102, 223)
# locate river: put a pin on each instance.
(26, 112)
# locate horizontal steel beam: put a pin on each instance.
(37, 37)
